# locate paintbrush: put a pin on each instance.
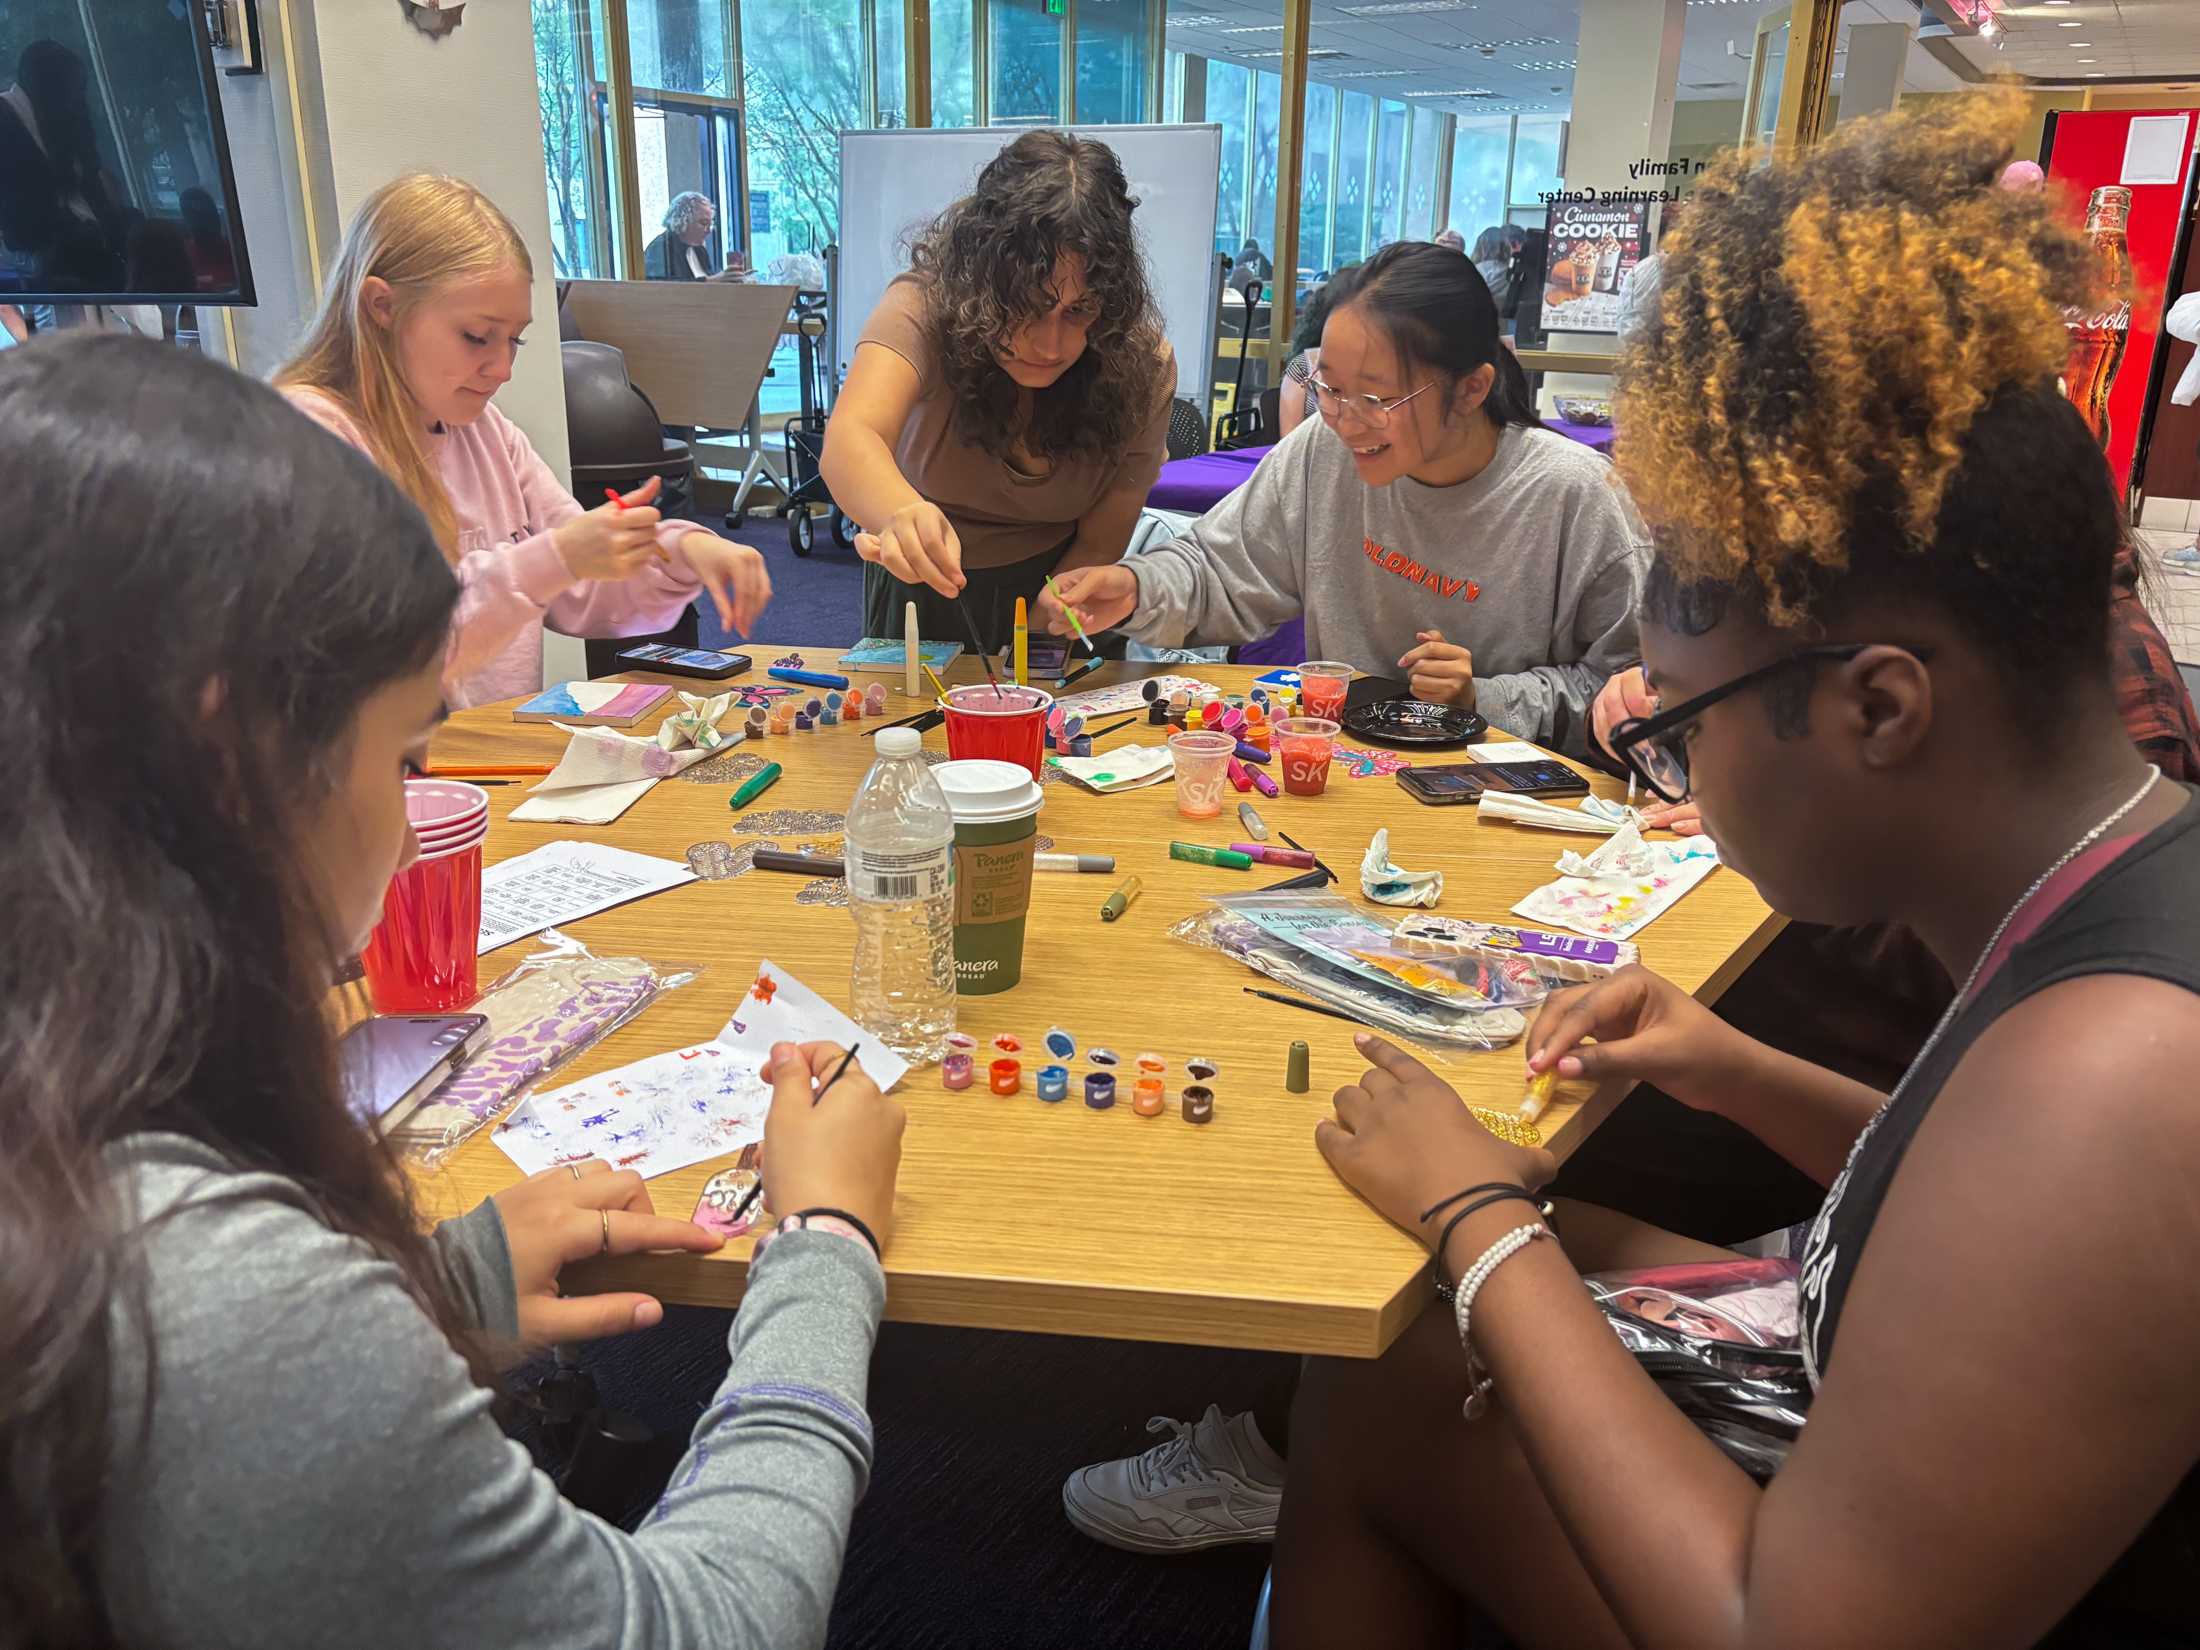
(1083, 670)
(756, 1191)
(1304, 849)
(1301, 1002)
(970, 628)
(1113, 727)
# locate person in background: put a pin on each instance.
(680, 251)
(1876, 623)
(1451, 239)
(1297, 404)
(1429, 527)
(1251, 260)
(1523, 312)
(418, 328)
(58, 203)
(251, 1389)
(1007, 410)
(1493, 262)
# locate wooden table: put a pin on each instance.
(1015, 1214)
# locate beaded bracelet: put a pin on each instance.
(1479, 1380)
(1504, 1194)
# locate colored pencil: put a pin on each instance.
(466, 770)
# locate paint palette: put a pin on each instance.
(1413, 722)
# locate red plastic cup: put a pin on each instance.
(423, 956)
(1321, 687)
(1304, 746)
(1009, 726)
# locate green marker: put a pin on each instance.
(757, 784)
(1199, 854)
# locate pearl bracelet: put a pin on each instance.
(1470, 1284)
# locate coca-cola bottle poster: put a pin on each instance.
(1595, 246)
(2105, 173)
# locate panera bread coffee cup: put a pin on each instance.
(996, 809)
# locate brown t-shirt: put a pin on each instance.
(1001, 514)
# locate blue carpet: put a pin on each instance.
(817, 600)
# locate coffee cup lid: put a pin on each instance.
(982, 792)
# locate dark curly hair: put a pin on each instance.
(987, 263)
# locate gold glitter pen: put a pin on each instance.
(1119, 901)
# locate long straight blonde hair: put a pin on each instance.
(420, 233)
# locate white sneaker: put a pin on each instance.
(1214, 1482)
(2184, 559)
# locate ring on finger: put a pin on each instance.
(576, 1168)
(605, 1247)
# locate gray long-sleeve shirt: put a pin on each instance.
(320, 1470)
(1533, 566)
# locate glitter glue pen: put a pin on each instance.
(1200, 854)
(1119, 901)
(755, 786)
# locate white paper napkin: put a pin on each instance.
(605, 772)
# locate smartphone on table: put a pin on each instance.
(1458, 782)
(393, 1062)
(684, 661)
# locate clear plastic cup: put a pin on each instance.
(1304, 747)
(1202, 771)
(1321, 687)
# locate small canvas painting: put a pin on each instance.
(594, 704)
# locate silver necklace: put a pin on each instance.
(1963, 992)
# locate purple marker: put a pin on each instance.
(1251, 753)
(1570, 947)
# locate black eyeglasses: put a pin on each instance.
(1656, 747)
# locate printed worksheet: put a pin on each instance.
(562, 881)
(653, 1116)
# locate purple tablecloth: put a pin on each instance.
(1598, 436)
(1197, 485)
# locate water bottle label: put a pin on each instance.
(923, 873)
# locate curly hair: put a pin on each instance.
(987, 265)
(1830, 332)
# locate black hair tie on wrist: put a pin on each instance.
(1434, 1209)
(1506, 1195)
(842, 1214)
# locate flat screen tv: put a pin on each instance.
(115, 183)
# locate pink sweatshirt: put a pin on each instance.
(517, 582)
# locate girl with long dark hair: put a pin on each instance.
(1007, 410)
(248, 1391)
(1428, 526)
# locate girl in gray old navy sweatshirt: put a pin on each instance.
(1425, 526)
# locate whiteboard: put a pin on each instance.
(894, 181)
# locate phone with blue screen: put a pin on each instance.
(684, 661)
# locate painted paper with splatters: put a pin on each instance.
(778, 1008)
(1618, 900)
(654, 1116)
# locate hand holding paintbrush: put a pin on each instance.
(829, 1159)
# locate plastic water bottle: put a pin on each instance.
(901, 891)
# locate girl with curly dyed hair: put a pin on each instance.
(1875, 628)
(1007, 410)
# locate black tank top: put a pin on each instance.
(2140, 914)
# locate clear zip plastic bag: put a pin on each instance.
(1723, 1341)
(558, 1002)
(1363, 993)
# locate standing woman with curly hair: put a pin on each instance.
(1008, 407)
(1875, 627)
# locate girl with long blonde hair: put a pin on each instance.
(418, 328)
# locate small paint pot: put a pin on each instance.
(1006, 1076)
(957, 1071)
(1099, 1090)
(1054, 1082)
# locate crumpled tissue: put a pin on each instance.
(1388, 884)
(605, 772)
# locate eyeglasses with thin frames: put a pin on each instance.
(1371, 410)
(1656, 746)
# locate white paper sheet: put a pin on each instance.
(1100, 701)
(562, 881)
(1627, 884)
(654, 1116)
(2155, 147)
(778, 1008)
(605, 772)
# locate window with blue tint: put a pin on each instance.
(1260, 224)
(1024, 64)
(1427, 133)
(1111, 62)
(1172, 87)
(954, 87)
(1317, 179)
(1386, 220)
(1480, 150)
(890, 96)
(1229, 93)
(565, 87)
(803, 71)
(1355, 132)
(1535, 161)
